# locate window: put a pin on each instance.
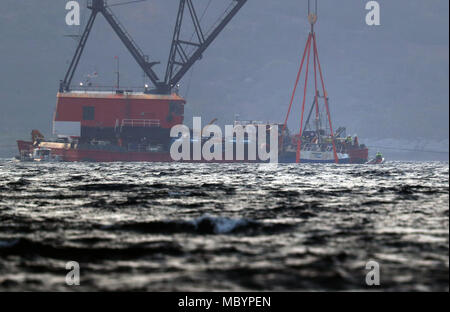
(88, 113)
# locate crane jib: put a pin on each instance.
(180, 59)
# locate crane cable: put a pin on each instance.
(188, 87)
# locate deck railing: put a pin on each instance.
(145, 123)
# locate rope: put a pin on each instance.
(188, 88)
(299, 142)
(316, 90)
(296, 84)
(326, 99)
(199, 20)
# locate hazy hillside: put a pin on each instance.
(385, 82)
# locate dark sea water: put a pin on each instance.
(199, 227)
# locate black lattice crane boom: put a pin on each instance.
(180, 61)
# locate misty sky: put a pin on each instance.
(388, 81)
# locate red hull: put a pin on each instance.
(73, 155)
(359, 156)
(24, 147)
(78, 155)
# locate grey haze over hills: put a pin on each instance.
(388, 84)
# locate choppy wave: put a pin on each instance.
(203, 225)
(223, 227)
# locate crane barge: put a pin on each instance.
(126, 125)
